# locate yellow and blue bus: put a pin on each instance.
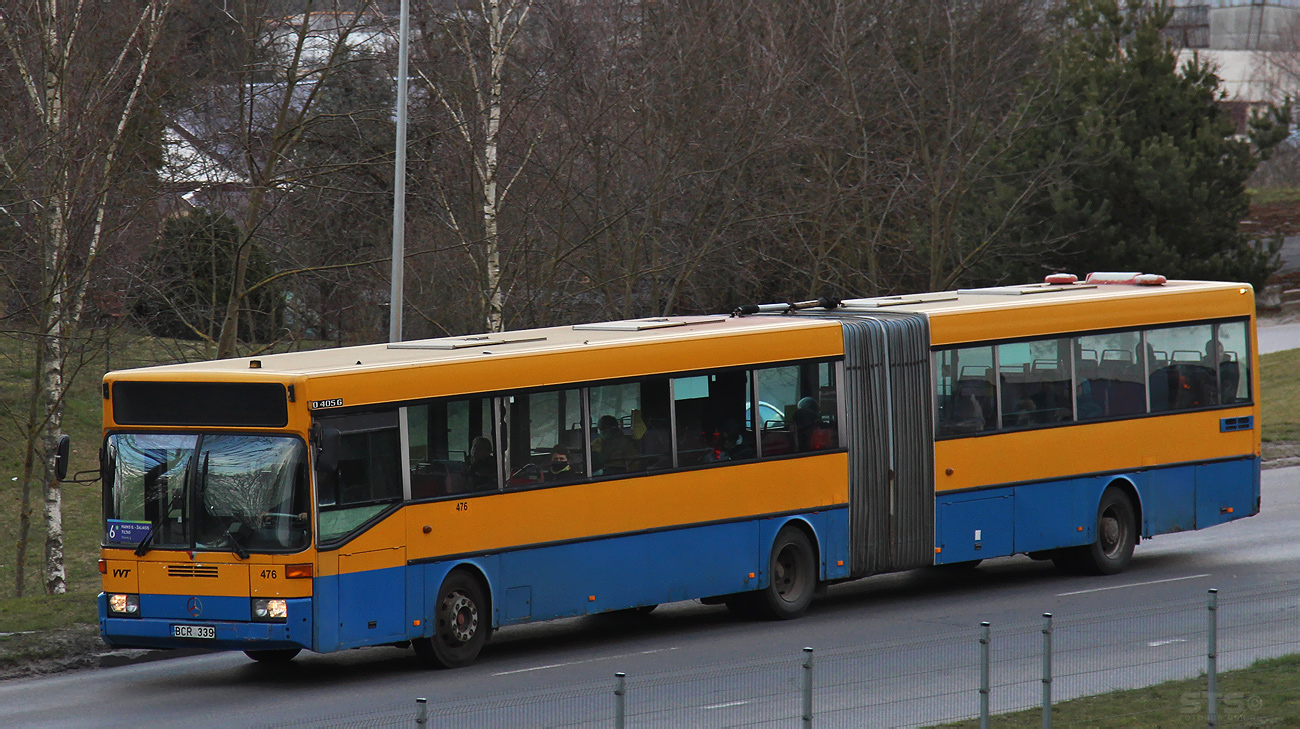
(429, 492)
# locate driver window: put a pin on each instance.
(368, 476)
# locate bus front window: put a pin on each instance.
(235, 493)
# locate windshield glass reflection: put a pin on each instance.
(217, 492)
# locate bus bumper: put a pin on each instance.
(160, 632)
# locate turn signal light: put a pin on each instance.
(103, 566)
(298, 571)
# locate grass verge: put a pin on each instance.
(1263, 695)
(1263, 196)
(1279, 375)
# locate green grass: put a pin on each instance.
(1279, 375)
(46, 612)
(1266, 694)
(1274, 195)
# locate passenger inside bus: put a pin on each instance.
(481, 470)
(560, 470)
(737, 443)
(612, 451)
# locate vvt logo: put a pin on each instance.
(195, 607)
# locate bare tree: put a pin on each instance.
(82, 71)
(254, 121)
(469, 50)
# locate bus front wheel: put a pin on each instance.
(792, 576)
(460, 624)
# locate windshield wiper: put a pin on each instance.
(202, 493)
(235, 545)
(143, 546)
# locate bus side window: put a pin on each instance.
(797, 408)
(628, 428)
(1109, 373)
(441, 437)
(714, 418)
(965, 391)
(1234, 366)
(539, 424)
(1186, 378)
(1035, 380)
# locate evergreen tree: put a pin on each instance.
(1153, 174)
(189, 281)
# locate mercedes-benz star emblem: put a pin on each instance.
(195, 606)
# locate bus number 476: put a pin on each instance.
(268, 574)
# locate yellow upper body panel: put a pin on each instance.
(384, 373)
(1012, 312)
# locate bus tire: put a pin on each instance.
(792, 576)
(460, 625)
(1111, 552)
(283, 655)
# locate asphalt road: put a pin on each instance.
(700, 659)
(1275, 336)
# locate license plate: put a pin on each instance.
(207, 632)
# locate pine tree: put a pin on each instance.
(1155, 173)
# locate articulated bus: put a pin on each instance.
(427, 493)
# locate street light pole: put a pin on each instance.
(395, 298)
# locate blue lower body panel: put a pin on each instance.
(1048, 515)
(158, 613)
(615, 573)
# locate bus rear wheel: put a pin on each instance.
(792, 577)
(460, 624)
(283, 655)
(1111, 551)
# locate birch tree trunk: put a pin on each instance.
(479, 118)
(70, 165)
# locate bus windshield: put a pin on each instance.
(236, 493)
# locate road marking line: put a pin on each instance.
(1158, 643)
(723, 706)
(534, 668)
(589, 660)
(1135, 584)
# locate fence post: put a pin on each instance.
(620, 699)
(421, 712)
(1047, 671)
(984, 674)
(1212, 661)
(807, 686)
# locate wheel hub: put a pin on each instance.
(462, 616)
(786, 575)
(1110, 534)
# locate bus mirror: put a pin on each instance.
(61, 454)
(327, 451)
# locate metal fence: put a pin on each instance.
(956, 677)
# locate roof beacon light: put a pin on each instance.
(1057, 279)
(1135, 278)
(1150, 279)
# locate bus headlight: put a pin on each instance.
(270, 609)
(124, 606)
